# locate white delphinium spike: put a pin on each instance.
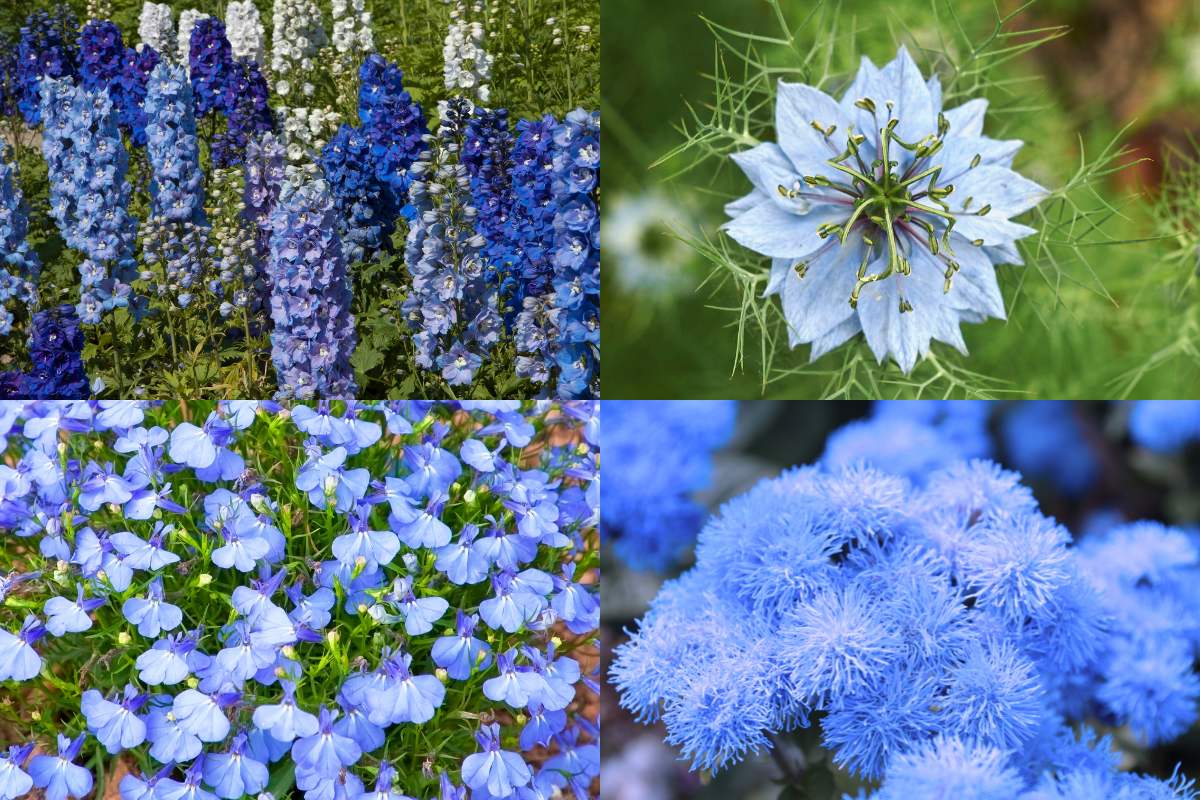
(187, 20)
(468, 66)
(298, 33)
(156, 27)
(244, 27)
(352, 36)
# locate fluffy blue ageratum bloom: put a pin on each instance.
(882, 213)
(952, 767)
(314, 336)
(659, 454)
(576, 255)
(89, 196)
(913, 438)
(452, 308)
(1164, 425)
(1047, 440)
(19, 264)
(44, 51)
(905, 613)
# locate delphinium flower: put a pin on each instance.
(487, 151)
(244, 28)
(452, 308)
(240, 280)
(263, 177)
(305, 132)
(1048, 440)
(467, 65)
(156, 28)
(19, 264)
(297, 34)
(944, 638)
(913, 438)
(99, 9)
(89, 196)
(882, 213)
(183, 38)
(9, 93)
(314, 335)
(352, 35)
(249, 113)
(211, 67)
(576, 255)
(659, 455)
(46, 50)
(175, 236)
(1164, 425)
(365, 209)
(101, 54)
(130, 87)
(393, 122)
(56, 355)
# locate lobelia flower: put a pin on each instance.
(235, 773)
(499, 772)
(244, 28)
(882, 214)
(383, 785)
(18, 660)
(169, 661)
(314, 335)
(115, 724)
(152, 614)
(325, 752)
(156, 28)
(463, 652)
(64, 616)
(14, 781)
(57, 775)
(285, 720)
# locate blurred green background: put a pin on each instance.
(1112, 320)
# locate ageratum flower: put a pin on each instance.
(1164, 425)
(882, 213)
(314, 332)
(19, 265)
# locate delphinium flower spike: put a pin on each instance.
(882, 213)
(156, 28)
(46, 50)
(19, 264)
(244, 28)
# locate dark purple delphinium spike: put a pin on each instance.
(129, 91)
(393, 123)
(101, 54)
(246, 97)
(212, 67)
(56, 350)
(487, 151)
(46, 49)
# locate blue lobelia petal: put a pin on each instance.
(192, 446)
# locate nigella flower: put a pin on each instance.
(14, 781)
(64, 616)
(499, 772)
(882, 213)
(115, 724)
(18, 660)
(58, 775)
(314, 335)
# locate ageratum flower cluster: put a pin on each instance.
(947, 639)
(659, 456)
(314, 335)
(19, 265)
(882, 213)
(315, 599)
(89, 196)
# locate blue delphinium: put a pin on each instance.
(129, 90)
(89, 196)
(394, 124)
(944, 637)
(314, 336)
(365, 205)
(576, 255)
(1047, 440)
(101, 54)
(1164, 425)
(487, 151)
(452, 308)
(212, 68)
(659, 454)
(247, 98)
(19, 264)
(56, 356)
(882, 213)
(46, 49)
(263, 177)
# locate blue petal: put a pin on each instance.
(770, 230)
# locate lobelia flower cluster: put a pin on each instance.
(400, 606)
(313, 336)
(89, 196)
(19, 264)
(882, 214)
(467, 64)
(452, 308)
(944, 638)
(56, 358)
(176, 235)
(659, 455)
